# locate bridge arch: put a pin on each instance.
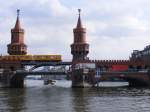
(135, 78)
(135, 82)
(54, 66)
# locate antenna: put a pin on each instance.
(79, 10)
(18, 12)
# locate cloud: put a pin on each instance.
(114, 27)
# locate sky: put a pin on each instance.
(114, 27)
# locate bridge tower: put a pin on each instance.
(79, 48)
(17, 46)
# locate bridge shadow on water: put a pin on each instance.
(12, 100)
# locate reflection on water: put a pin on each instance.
(12, 100)
(36, 97)
(16, 99)
(79, 100)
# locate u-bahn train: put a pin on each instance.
(31, 58)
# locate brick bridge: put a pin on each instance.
(17, 51)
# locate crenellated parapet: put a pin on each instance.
(117, 62)
(110, 62)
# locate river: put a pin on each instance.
(36, 97)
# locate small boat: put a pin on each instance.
(52, 82)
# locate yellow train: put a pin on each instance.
(31, 57)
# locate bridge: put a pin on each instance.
(14, 70)
(82, 70)
(26, 73)
(15, 78)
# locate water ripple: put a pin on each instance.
(41, 98)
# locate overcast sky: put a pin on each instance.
(114, 27)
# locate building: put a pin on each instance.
(143, 55)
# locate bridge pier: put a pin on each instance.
(82, 80)
(17, 81)
(11, 80)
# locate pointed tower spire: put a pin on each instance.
(17, 45)
(17, 25)
(79, 23)
(79, 47)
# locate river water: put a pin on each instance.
(36, 97)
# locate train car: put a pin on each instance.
(31, 58)
(46, 57)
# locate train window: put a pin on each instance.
(52, 57)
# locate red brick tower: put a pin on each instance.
(79, 48)
(17, 46)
